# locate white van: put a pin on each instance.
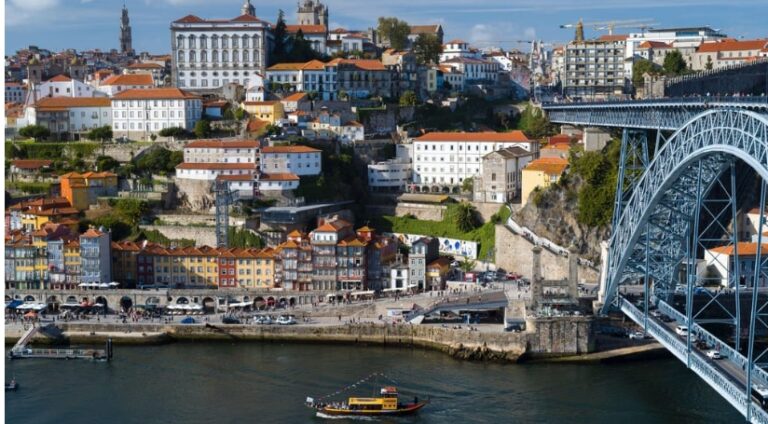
(681, 330)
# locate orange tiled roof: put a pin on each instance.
(732, 45)
(145, 66)
(486, 136)
(366, 64)
(60, 78)
(549, 166)
(222, 144)
(613, 37)
(306, 29)
(241, 177)
(92, 233)
(745, 248)
(129, 79)
(654, 45)
(31, 163)
(49, 103)
(215, 165)
(256, 125)
(295, 97)
(279, 177)
(154, 93)
(289, 149)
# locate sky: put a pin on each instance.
(89, 24)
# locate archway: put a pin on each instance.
(292, 302)
(52, 303)
(282, 303)
(8, 298)
(71, 299)
(209, 305)
(259, 303)
(152, 300)
(270, 301)
(101, 300)
(126, 303)
(29, 298)
(182, 301)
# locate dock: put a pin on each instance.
(21, 351)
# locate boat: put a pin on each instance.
(12, 386)
(387, 404)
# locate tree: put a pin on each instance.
(239, 114)
(408, 98)
(301, 49)
(36, 132)
(395, 31)
(159, 161)
(674, 64)
(153, 137)
(229, 114)
(467, 265)
(279, 51)
(106, 163)
(534, 123)
(708, 65)
(130, 210)
(466, 185)
(101, 133)
(173, 132)
(202, 128)
(427, 49)
(464, 217)
(641, 67)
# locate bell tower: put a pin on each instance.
(248, 9)
(126, 42)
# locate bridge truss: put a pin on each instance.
(678, 215)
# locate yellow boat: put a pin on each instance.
(387, 404)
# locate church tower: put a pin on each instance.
(126, 44)
(248, 9)
(311, 12)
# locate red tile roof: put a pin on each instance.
(654, 44)
(92, 233)
(613, 37)
(242, 177)
(222, 144)
(31, 163)
(289, 149)
(60, 78)
(154, 93)
(486, 136)
(745, 248)
(306, 29)
(550, 166)
(211, 165)
(50, 103)
(731, 45)
(295, 97)
(129, 79)
(279, 177)
(256, 125)
(365, 64)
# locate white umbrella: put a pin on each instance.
(103, 285)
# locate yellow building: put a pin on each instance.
(541, 173)
(72, 261)
(82, 190)
(270, 111)
(437, 272)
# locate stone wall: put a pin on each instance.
(195, 195)
(420, 211)
(201, 235)
(513, 253)
(559, 336)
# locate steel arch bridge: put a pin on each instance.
(678, 206)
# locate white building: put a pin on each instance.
(329, 125)
(316, 35)
(254, 91)
(728, 52)
(447, 158)
(140, 113)
(208, 54)
(299, 160)
(119, 83)
(391, 175)
(454, 49)
(685, 40)
(241, 185)
(15, 92)
(474, 69)
(277, 182)
(70, 117)
(222, 151)
(210, 171)
(61, 86)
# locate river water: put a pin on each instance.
(267, 383)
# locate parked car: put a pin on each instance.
(286, 320)
(656, 313)
(714, 355)
(230, 320)
(681, 330)
(513, 276)
(636, 335)
(189, 320)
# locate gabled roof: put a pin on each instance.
(60, 78)
(189, 19)
(654, 45)
(306, 29)
(613, 37)
(549, 166)
(129, 79)
(92, 233)
(485, 136)
(51, 103)
(31, 163)
(732, 45)
(154, 93)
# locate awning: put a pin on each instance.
(240, 304)
(13, 304)
(185, 307)
(395, 289)
(363, 293)
(31, 307)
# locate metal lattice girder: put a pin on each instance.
(656, 114)
(223, 200)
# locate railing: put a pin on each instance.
(695, 100)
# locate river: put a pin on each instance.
(267, 383)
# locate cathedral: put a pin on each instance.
(311, 12)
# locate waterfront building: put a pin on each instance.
(20, 260)
(70, 118)
(382, 252)
(437, 273)
(398, 277)
(208, 54)
(294, 270)
(595, 68)
(443, 160)
(722, 261)
(500, 179)
(64, 262)
(540, 174)
(137, 113)
(423, 252)
(95, 256)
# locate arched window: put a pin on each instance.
(181, 56)
(204, 56)
(224, 56)
(235, 55)
(234, 41)
(215, 41)
(180, 42)
(203, 42)
(192, 44)
(192, 56)
(245, 55)
(225, 41)
(215, 56)
(245, 41)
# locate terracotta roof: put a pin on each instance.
(189, 19)
(353, 241)
(486, 136)
(129, 79)
(423, 29)
(654, 44)
(745, 248)
(295, 233)
(222, 144)
(306, 29)
(295, 97)
(558, 146)
(732, 45)
(209, 165)
(145, 65)
(365, 229)
(69, 102)
(256, 125)
(549, 166)
(563, 139)
(92, 233)
(60, 78)
(279, 177)
(613, 37)
(264, 103)
(241, 177)
(31, 163)
(353, 124)
(439, 262)
(366, 64)
(456, 41)
(311, 65)
(154, 93)
(289, 149)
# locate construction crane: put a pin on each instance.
(643, 24)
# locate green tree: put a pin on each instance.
(37, 132)
(408, 98)
(106, 163)
(130, 210)
(229, 114)
(641, 67)
(119, 228)
(534, 123)
(427, 49)
(674, 63)
(239, 114)
(466, 185)
(395, 31)
(467, 265)
(464, 216)
(708, 66)
(279, 51)
(101, 133)
(202, 129)
(153, 137)
(301, 49)
(173, 132)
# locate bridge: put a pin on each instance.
(691, 170)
